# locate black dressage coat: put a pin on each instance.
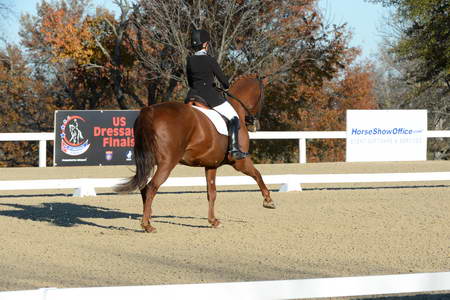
(201, 70)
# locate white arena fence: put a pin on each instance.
(42, 137)
(288, 182)
(253, 290)
(301, 136)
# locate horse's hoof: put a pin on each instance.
(269, 204)
(215, 224)
(148, 228)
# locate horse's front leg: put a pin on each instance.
(210, 174)
(246, 166)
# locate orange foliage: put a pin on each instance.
(24, 107)
(67, 35)
(93, 66)
(316, 84)
(302, 107)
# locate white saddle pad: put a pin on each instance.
(215, 118)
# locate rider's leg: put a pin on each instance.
(235, 151)
(228, 111)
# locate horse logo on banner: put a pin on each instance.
(73, 141)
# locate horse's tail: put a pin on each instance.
(144, 153)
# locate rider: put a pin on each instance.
(201, 70)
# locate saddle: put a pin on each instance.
(198, 101)
(219, 121)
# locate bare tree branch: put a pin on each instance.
(249, 36)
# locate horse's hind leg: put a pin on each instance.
(246, 166)
(148, 194)
(211, 188)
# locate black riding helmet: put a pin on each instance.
(198, 37)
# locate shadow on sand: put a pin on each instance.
(66, 214)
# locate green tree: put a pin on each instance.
(394, 92)
(424, 36)
(418, 61)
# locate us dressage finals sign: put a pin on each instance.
(94, 137)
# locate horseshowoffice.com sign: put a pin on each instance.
(386, 135)
(94, 137)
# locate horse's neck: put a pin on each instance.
(242, 88)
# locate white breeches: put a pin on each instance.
(226, 110)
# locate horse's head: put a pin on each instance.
(247, 96)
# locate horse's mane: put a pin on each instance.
(243, 76)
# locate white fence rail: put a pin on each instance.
(42, 137)
(288, 182)
(253, 290)
(301, 136)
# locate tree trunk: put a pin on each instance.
(151, 92)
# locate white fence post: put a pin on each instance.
(302, 151)
(42, 153)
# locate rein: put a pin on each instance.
(250, 118)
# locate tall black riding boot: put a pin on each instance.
(233, 129)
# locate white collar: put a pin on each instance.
(201, 52)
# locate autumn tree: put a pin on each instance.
(264, 37)
(308, 62)
(111, 38)
(24, 106)
(308, 102)
(48, 60)
(86, 54)
(99, 61)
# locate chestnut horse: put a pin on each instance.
(172, 132)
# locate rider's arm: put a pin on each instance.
(219, 73)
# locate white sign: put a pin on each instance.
(386, 135)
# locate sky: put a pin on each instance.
(365, 20)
